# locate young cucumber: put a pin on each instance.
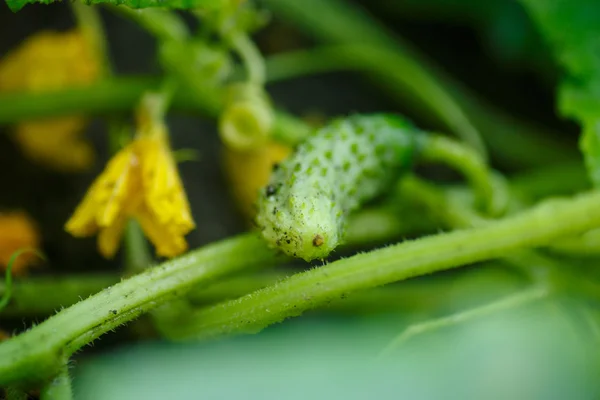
(303, 209)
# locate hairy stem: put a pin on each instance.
(59, 388)
(415, 295)
(39, 353)
(56, 292)
(535, 227)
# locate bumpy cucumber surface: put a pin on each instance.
(303, 209)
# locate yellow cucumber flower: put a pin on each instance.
(249, 171)
(141, 181)
(17, 231)
(51, 61)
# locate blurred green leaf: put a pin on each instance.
(572, 28)
(535, 352)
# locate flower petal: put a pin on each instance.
(168, 241)
(110, 236)
(164, 195)
(106, 197)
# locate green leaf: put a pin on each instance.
(572, 28)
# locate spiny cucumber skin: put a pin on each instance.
(303, 209)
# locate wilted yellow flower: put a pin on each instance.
(249, 171)
(141, 181)
(17, 231)
(56, 142)
(51, 61)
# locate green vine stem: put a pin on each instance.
(163, 24)
(413, 295)
(354, 26)
(8, 283)
(558, 179)
(368, 226)
(253, 61)
(120, 94)
(586, 244)
(514, 142)
(40, 352)
(448, 213)
(137, 251)
(57, 292)
(453, 212)
(509, 302)
(90, 22)
(438, 148)
(536, 227)
(59, 388)
(289, 129)
(107, 96)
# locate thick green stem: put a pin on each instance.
(38, 296)
(107, 96)
(366, 227)
(541, 269)
(39, 353)
(536, 227)
(122, 94)
(433, 294)
(58, 388)
(416, 295)
(587, 244)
